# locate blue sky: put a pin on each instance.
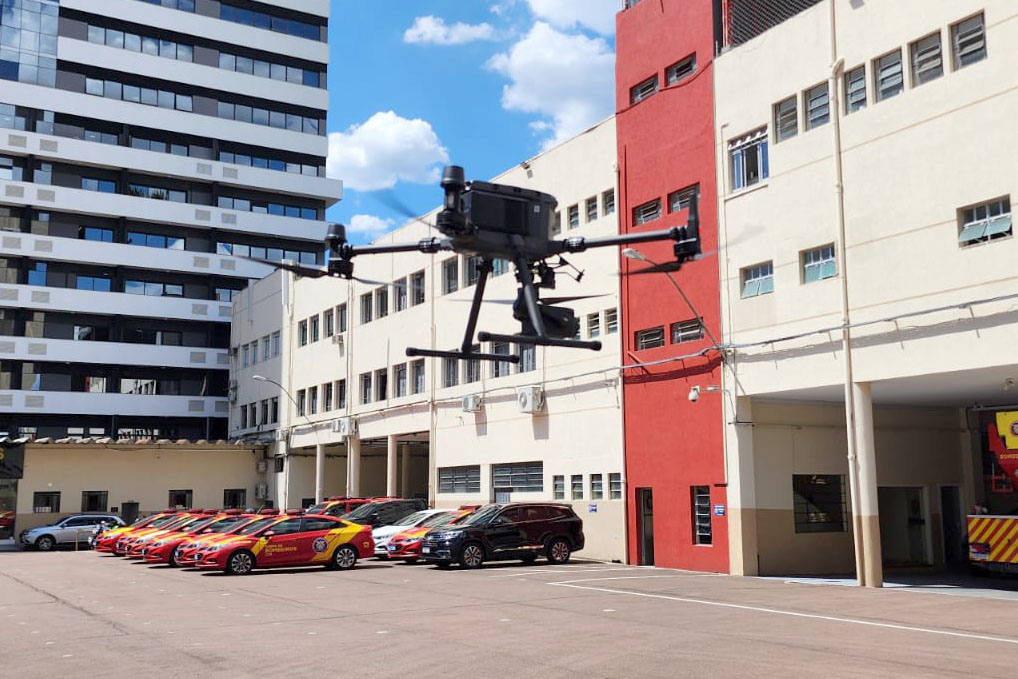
(486, 84)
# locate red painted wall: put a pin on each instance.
(666, 143)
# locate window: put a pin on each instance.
(452, 371)
(313, 400)
(749, 159)
(523, 477)
(234, 498)
(855, 89)
(591, 208)
(611, 321)
(499, 267)
(302, 402)
(275, 343)
(687, 331)
(500, 368)
(341, 394)
(968, 42)
(650, 338)
(381, 384)
(683, 198)
(593, 325)
(818, 264)
(399, 293)
(645, 89)
(366, 302)
(341, 318)
(450, 275)
(93, 184)
(786, 119)
(473, 270)
(700, 496)
(399, 372)
(817, 101)
(315, 322)
(417, 367)
(254, 352)
(596, 487)
(242, 411)
(608, 202)
(459, 479)
(576, 487)
(647, 212)
(265, 411)
(758, 280)
(819, 503)
(327, 390)
(302, 333)
(988, 221)
(46, 503)
(556, 223)
(417, 288)
(680, 71)
(558, 487)
(887, 75)
(274, 410)
(246, 351)
(927, 59)
(94, 500)
(254, 414)
(528, 358)
(574, 216)
(329, 318)
(180, 499)
(365, 387)
(473, 369)
(615, 486)
(381, 302)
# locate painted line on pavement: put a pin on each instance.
(773, 611)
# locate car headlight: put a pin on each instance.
(214, 548)
(449, 535)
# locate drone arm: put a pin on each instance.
(527, 283)
(425, 245)
(581, 244)
(475, 306)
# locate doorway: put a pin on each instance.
(903, 538)
(645, 525)
(954, 535)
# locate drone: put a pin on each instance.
(497, 221)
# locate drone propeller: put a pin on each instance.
(670, 266)
(305, 271)
(386, 197)
(542, 300)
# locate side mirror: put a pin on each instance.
(268, 533)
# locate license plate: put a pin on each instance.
(425, 550)
(392, 548)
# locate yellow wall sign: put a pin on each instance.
(1007, 426)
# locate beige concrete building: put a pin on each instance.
(906, 106)
(453, 432)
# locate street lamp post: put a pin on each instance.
(319, 448)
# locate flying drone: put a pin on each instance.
(497, 221)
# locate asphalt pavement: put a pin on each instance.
(72, 614)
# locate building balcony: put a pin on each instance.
(124, 405)
(113, 303)
(111, 353)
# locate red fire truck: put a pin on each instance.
(993, 539)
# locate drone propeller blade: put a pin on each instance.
(299, 269)
(386, 197)
(670, 266)
(542, 300)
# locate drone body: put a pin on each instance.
(496, 221)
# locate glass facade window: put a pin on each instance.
(240, 15)
(28, 41)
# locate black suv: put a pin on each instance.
(384, 512)
(501, 532)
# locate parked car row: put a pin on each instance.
(237, 542)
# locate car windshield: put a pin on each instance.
(362, 512)
(201, 524)
(163, 520)
(437, 520)
(415, 519)
(318, 508)
(222, 525)
(255, 525)
(483, 515)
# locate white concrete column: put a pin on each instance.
(319, 473)
(404, 482)
(279, 481)
(392, 453)
(743, 549)
(353, 466)
(869, 512)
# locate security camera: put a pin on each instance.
(694, 394)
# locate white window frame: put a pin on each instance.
(786, 119)
(680, 70)
(608, 202)
(757, 280)
(649, 338)
(753, 145)
(593, 325)
(686, 331)
(591, 206)
(926, 57)
(647, 212)
(818, 263)
(968, 41)
(888, 76)
(816, 103)
(855, 89)
(984, 222)
(643, 90)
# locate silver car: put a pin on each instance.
(66, 531)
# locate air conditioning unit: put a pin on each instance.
(338, 339)
(530, 399)
(473, 403)
(262, 466)
(261, 491)
(281, 433)
(345, 426)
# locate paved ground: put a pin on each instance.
(68, 614)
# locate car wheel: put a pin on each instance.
(240, 562)
(528, 558)
(344, 558)
(172, 561)
(472, 555)
(559, 551)
(46, 543)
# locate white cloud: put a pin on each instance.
(434, 31)
(386, 149)
(369, 225)
(596, 15)
(567, 78)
